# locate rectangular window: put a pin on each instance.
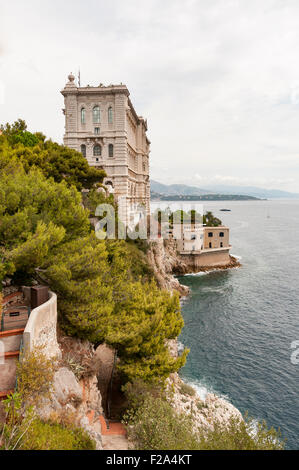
(96, 130)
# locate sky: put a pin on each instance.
(218, 80)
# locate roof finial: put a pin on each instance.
(71, 77)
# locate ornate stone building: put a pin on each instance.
(102, 124)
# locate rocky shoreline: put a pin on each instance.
(212, 409)
(205, 412)
(166, 263)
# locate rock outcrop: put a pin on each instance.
(163, 258)
(206, 413)
(167, 262)
(75, 389)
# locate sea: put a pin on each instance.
(242, 324)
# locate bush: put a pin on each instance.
(186, 389)
(23, 430)
(53, 436)
(241, 435)
(35, 374)
(156, 426)
(153, 424)
(137, 391)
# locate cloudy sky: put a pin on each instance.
(218, 80)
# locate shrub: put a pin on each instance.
(241, 435)
(137, 391)
(153, 424)
(186, 389)
(156, 426)
(72, 363)
(23, 430)
(35, 374)
(53, 436)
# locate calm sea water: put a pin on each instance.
(240, 323)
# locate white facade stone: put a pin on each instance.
(127, 164)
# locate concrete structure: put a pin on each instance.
(40, 330)
(102, 124)
(202, 246)
(190, 237)
(216, 238)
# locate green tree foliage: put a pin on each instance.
(36, 216)
(210, 220)
(100, 301)
(104, 287)
(191, 216)
(144, 318)
(54, 160)
(81, 276)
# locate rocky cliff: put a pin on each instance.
(75, 393)
(167, 262)
(163, 258)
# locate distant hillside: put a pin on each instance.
(204, 197)
(183, 192)
(176, 189)
(219, 190)
(253, 191)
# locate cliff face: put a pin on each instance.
(163, 258)
(166, 262)
(75, 389)
(206, 413)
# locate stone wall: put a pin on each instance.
(207, 259)
(41, 329)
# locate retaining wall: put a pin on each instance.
(41, 327)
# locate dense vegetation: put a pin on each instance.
(54, 160)
(192, 216)
(106, 293)
(22, 428)
(105, 288)
(154, 424)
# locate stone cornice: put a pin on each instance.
(111, 90)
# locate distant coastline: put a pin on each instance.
(203, 197)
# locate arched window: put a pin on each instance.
(110, 115)
(111, 151)
(83, 150)
(96, 114)
(97, 151)
(83, 116)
